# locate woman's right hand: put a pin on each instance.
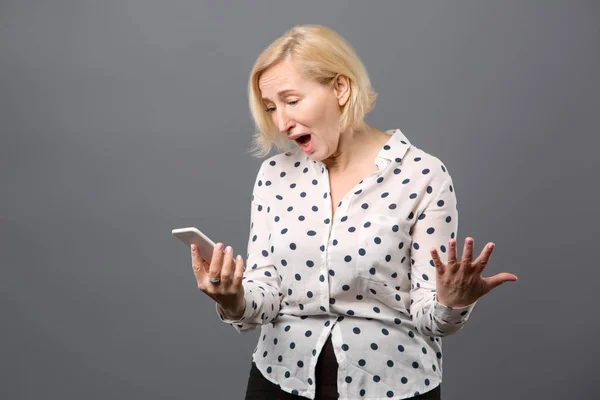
(228, 292)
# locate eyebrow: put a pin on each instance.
(280, 93)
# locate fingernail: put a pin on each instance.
(490, 246)
(220, 246)
(239, 258)
(228, 249)
(193, 247)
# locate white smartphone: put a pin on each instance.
(192, 235)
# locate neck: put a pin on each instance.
(355, 149)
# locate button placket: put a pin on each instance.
(324, 299)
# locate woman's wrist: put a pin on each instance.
(235, 311)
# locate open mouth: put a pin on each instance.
(303, 140)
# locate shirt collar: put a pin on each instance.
(393, 150)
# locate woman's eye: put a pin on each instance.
(291, 103)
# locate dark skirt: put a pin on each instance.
(260, 388)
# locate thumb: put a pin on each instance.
(196, 257)
(498, 279)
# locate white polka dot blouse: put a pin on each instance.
(364, 275)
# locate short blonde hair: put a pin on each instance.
(321, 54)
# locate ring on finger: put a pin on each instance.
(214, 280)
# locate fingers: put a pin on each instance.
(452, 262)
(223, 265)
(226, 290)
(484, 257)
(214, 271)
(467, 255)
(239, 272)
(197, 264)
(478, 265)
(228, 266)
(437, 262)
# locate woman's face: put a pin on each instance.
(301, 106)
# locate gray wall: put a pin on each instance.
(120, 120)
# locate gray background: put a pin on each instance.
(121, 120)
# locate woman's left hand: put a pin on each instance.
(460, 284)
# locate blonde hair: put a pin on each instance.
(321, 54)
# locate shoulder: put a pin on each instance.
(421, 167)
(426, 166)
(281, 163)
(427, 177)
(273, 169)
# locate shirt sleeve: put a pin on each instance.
(261, 281)
(434, 227)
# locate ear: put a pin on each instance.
(341, 89)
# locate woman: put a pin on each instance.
(352, 270)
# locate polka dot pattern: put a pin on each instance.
(363, 275)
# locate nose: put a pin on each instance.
(284, 122)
